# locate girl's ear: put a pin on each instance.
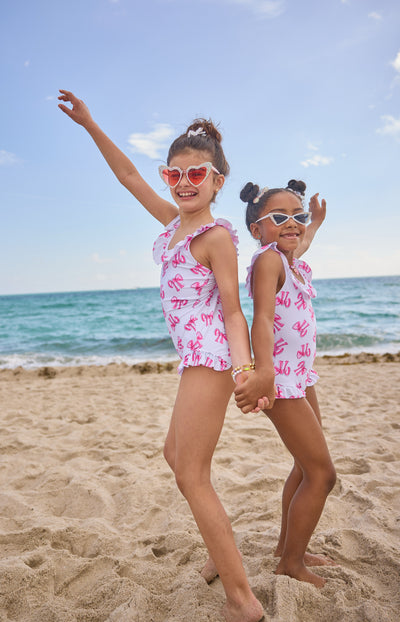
(219, 182)
(255, 230)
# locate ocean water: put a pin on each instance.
(100, 327)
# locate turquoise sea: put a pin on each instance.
(100, 327)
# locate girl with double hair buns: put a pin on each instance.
(284, 342)
(200, 299)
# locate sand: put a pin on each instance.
(93, 529)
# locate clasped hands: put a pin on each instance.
(249, 387)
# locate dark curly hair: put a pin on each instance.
(251, 191)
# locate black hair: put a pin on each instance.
(251, 191)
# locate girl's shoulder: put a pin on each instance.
(220, 229)
(268, 254)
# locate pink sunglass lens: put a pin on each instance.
(197, 175)
(170, 177)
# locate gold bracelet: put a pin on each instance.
(238, 370)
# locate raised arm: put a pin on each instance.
(318, 213)
(120, 164)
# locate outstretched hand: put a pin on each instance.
(317, 209)
(79, 111)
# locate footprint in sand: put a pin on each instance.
(352, 466)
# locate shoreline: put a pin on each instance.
(158, 367)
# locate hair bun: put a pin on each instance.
(249, 192)
(208, 128)
(297, 186)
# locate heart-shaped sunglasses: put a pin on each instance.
(279, 219)
(195, 175)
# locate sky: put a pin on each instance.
(307, 90)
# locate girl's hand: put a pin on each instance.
(248, 391)
(79, 112)
(318, 213)
(262, 402)
(317, 210)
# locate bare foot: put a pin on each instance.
(313, 560)
(318, 560)
(209, 571)
(251, 611)
(301, 573)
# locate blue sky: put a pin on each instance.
(307, 90)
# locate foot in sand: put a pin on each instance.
(251, 611)
(301, 573)
(311, 559)
(318, 560)
(209, 571)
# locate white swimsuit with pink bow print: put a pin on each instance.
(294, 329)
(191, 302)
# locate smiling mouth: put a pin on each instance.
(184, 195)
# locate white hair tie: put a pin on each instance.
(199, 132)
(296, 192)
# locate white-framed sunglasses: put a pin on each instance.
(195, 175)
(279, 219)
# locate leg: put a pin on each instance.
(195, 427)
(301, 432)
(209, 571)
(292, 483)
(289, 490)
(309, 558)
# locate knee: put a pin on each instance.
(329, 477)
(191, 481)
(324, 477)
(169, 455)
(182, 481)
(185, 480)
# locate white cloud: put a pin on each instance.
(154, 142)
(391, 126)
(317, 160)
(375, 16)
(265, 8)
(312, 147)
(7, 158)
(97, 259)
(27, 63)
(396, 62)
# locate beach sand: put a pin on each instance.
(93, 529)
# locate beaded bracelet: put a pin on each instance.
(238, 370)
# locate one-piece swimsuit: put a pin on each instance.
(191, 301)
(294, 328)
